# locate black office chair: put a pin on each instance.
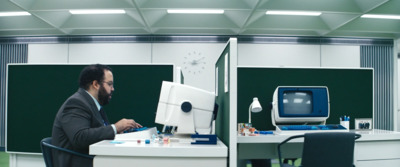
(327, 149)
(47, 148)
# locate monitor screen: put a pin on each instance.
(297, 102)
(300, 104)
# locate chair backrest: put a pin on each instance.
(47, 148)
(327, 149)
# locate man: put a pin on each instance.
(81, 122)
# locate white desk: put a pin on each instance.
(131, 153)
(374, 148)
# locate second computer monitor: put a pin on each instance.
(300, 104)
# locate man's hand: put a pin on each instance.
(125, 124)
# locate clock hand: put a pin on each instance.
(195, 62)
(200, 59)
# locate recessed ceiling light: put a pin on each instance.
(195, 11)
(375, 16)
(14, 14)
(97, 11)
(300, 13)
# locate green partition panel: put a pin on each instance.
(36, 92)
(222, 120)
(350, 91)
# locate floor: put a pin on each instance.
(4, 159)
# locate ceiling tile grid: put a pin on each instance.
(339, 18)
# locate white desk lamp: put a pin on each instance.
(255, 107)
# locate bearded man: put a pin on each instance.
(81, 121)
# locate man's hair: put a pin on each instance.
(92, 73)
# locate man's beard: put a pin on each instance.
(104, 97)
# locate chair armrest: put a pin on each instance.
(285, 141)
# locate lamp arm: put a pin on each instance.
(250, 112)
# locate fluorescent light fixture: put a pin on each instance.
(97, 11)
(14, 14)
(375, 16)
(299, 13)
(195, 11)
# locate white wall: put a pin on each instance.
(282, 55)
(199, 74)
(47, 53)
(115, 53)
(291, 55)
(340, 56)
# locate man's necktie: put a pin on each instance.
(104, 116)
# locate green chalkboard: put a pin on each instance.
(35, 93)
(350, 91)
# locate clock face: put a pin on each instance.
(194, 63)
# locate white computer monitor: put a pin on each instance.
(188, 108)
(300, 104)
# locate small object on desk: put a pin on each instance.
(252, 130)
(345, 118)
(345, 124)
(160, 140)
(116, 142)
(147, 141)
(264, 132)
(246, 129)
(153, 138)
(363, 123)
(204, 139)
(139, 141)
(345, 121)
(166, 140)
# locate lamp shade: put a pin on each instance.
(256, 106)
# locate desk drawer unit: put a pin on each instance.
(377, 153)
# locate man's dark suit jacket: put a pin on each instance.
(77, 125)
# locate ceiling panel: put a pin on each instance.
(22, 23)
(373, 25)
(103, 21)
(50, 5)
(385, 7)
(336, 6)
(339, 18)
(203, 4)
(7, 6)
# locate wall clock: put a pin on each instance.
(194, 63)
